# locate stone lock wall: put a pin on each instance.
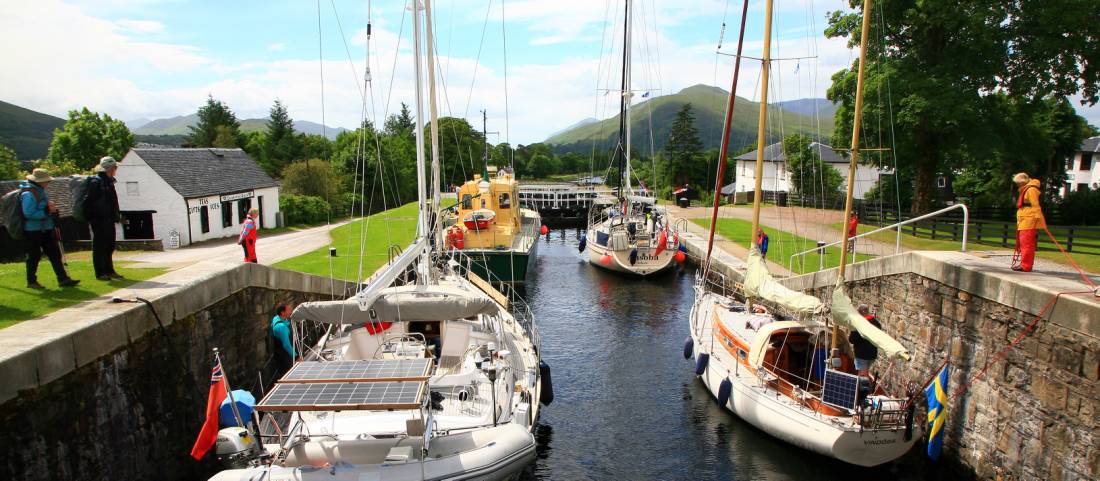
(1035, 414)
(134, 413)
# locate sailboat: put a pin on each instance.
(783, 369)
(428, 372)
(628, 233)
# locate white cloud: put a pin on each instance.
(276, 47)
(139, 26)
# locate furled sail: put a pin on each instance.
(845, 315)
(406, 303)
(759, 283)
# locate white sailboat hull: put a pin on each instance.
(779, 416)
(646, 264)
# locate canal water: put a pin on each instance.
(627, 405)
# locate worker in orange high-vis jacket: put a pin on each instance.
(1029, 219)
(247, 239)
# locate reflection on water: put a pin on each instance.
(626, 403)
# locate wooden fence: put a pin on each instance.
(988, 232)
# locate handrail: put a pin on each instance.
(897, 248)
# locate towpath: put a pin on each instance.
(269, 249)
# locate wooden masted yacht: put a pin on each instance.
(427, 373)
(629, 233)
(786, 370)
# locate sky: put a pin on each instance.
(535, 66)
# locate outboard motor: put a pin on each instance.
(236, 447)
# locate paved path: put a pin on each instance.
(269, 249)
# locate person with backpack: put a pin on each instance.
(101, 210)
(247, 240)
(39, 234)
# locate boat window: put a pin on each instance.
(466, 204)
(505, 201)
(742, 354)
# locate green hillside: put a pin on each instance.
(27, 132)
(180, 126)
(708, 104)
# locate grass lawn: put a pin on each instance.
(18, 303)
(392, 227)
(781, 245)
(1088, 259)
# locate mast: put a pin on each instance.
(628, 96)
(434, 192)
(421, 189)
(726, 126)
(623, 101)
(485, 138)
(858, 114)
(765, 67)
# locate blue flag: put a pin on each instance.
(937, 411)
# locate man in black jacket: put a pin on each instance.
(101, 207)
(865, 352)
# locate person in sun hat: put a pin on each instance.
(39, 235)
(101, 206)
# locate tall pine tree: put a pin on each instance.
(207, 133)
(684, 152)
(281, 146)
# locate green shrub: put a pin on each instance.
(1079, 208)
(303, 209)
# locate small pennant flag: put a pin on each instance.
(645, 95)
(937, 412)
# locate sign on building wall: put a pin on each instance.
(240, 195)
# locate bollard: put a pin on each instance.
(332, 252)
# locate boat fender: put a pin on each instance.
(724, 391)
(606, 259)
(547, 395)
(633, 256)
(679, 256)
(688, 344)
(544, 230)
(581, 244)
(909, 422)
(701, 363)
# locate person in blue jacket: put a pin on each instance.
(39, 233)
(280, 330)
(762, 242)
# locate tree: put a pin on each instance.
(281, 146)
(684, 162)
(10, 168)
(810, 176)
(313, 177)
(936, 61)
(400, 122)
(213, 115)
(61, 168)
(461, 150)
(86, 137)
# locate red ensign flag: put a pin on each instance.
(209, 433)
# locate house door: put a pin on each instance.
(138, 225)
(261, 207)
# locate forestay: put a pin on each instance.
(845, 315)
(759, 284)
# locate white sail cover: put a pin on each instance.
(405, 303)
(845, 315)
(759, 284)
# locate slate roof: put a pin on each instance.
(774, 153)
(57, 191)
(204, 172)
(1091, 145)
(730, 189)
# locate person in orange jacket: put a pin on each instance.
(247, 240)
(1029, 219)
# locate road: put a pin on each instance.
(269, 249)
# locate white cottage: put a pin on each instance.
(1083, 167)
(777, 178)
(185, 196)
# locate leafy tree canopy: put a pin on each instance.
(217, 126)
(86, 137)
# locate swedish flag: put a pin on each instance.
(937, 411)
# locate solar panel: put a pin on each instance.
(840, 389)
(337, 396)
(361, 371)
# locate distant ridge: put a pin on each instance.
(180, 126)
(27, 132)
(708, 105)
(823, 108)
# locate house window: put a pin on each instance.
(1086, 161)
(1082, 187)
(505, 201)
(132, 189)
(941, 182)
(242, 209)
(227, 214)
(204, 219)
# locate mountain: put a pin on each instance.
(808, 107)
(708, 106)
(180, 126)
(582, 123)
(137, 123)
(27, 132)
